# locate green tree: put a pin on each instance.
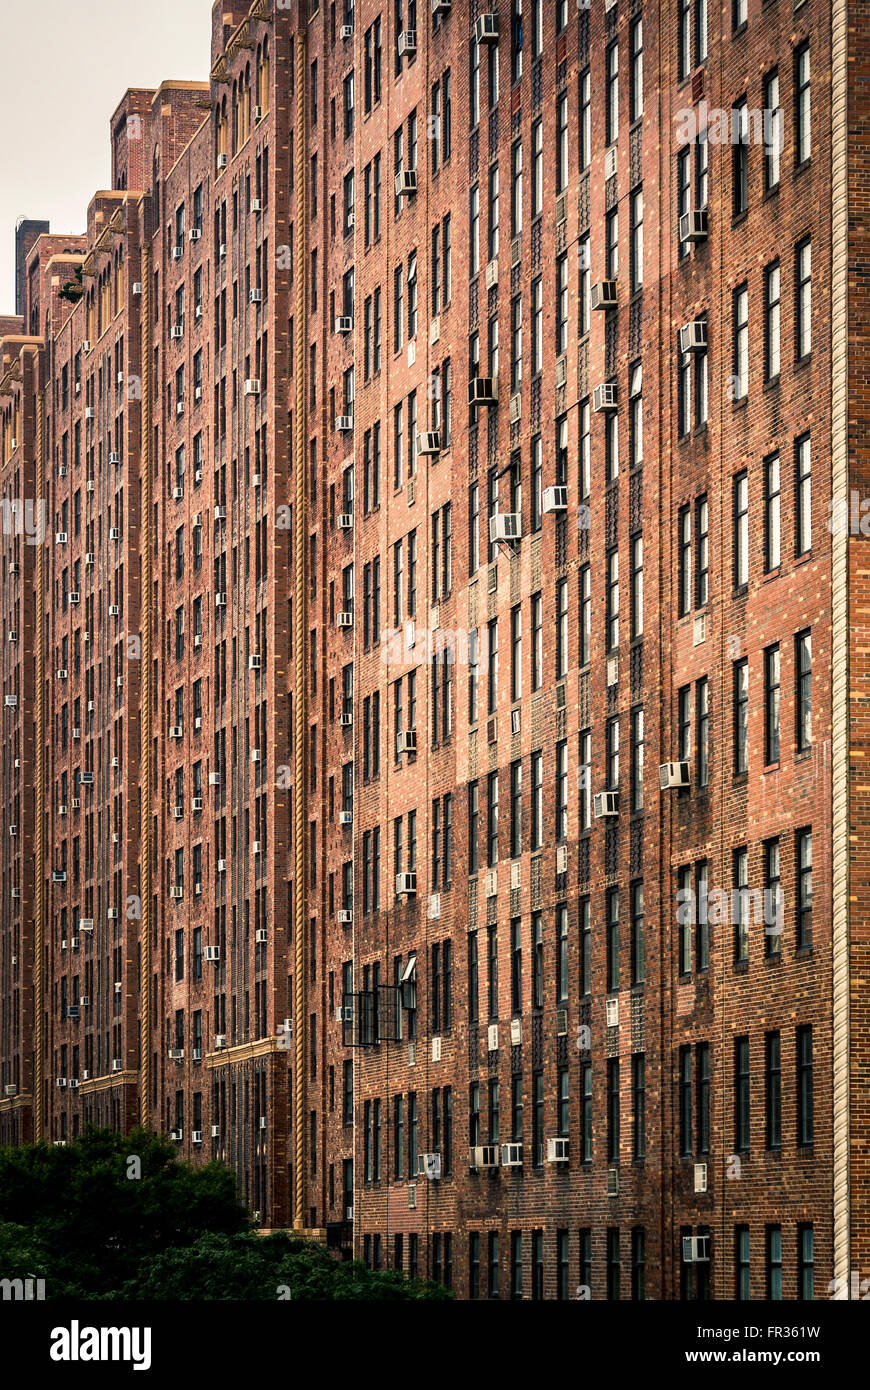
(114, 1217)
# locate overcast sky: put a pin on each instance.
(68, 63)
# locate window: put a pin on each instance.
(516, 653)
(474, 231)
(637, 756)
(803, 496)
(773, 133)
(612, 94)
(516, 188)
(636, 43)
(803, 299)
(635, 405)
(741, 1094)
(516, 810)
(612, 1109)
(684, 39)
(561, 957)
(561, 631)
(537, 168)
(702, 1073)
(585, 122)
(700, 30)
(684, 1082)
(740, 879)
(740, 488)
(772, 308)
(537, 326)
(516, 1264)
(493, 212)
(804, 887)
(702, 731)
(803, 664)
(638, 965)
(537, 818)
(684, 543)
(636, 587)
(772, 1091)
(585, 616)
(537, 607)
(612, 605)
(772, 898)
(562, 791)
(740, 320)
(806, 1259)
(740, 158)
(773, 1262)
(473, 826)
(612, 930)
(702, 552)
(804, 1072)
(739, 10)
(637, 240)
(802, 112)
(586, 1112)
(562, 171)
(741, 1263)
(771, 703)
(611, 734)
(684, 193)
(492, 820)
(638, 1105)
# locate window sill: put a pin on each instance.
(803, 755)
(803, 166)
(771, 767)
(741, 967)
(801, 363)
(771, 193)
(738, 218)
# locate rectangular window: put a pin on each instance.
(803, 496)
(638, 1105)
(740, 880)
(772, 513)
(803, 269)
(740, 494)
(802, 109)
(804, 887)
(741, 1263)
(773, 134)
(803, 668)
(612, 94)
(804, 1074)
(773, 1262)
(772, 1091)
(806, 1258)
(741, 1094)
(740, 322)
(771, 703)
(772, 320)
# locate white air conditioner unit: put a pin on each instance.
(89, 412)
(197, 311)
(176, 331)
(137, 286)
(197, 641)
(604, 294)
(346, 32)
(261, 936)
(343, 424)
(344, 325)
(406, 183)
(428, 443)
(344, 522)
(700, 1177)
(505, 526)
(555, 499)
(62, 673)
(693, 225)
(112, 914)
(255, 755)
(254, 662)
(256, 205)
(214, 779)
(215, 1131)
(10, 1091)
(13, 566)
(177, 494)
(512, 1155)
(605, 397)
(114, 457)
(10, 701)
(222, 161)
(176, 1054)
(89, 559)
(13, 635)
(344, 916)
(197, 1136)
(406, 741)
(178, 812)
(114, 533)
(557, 1150)
(220, 600)
(407, 43)
(61, 472)
(60, 537)
(673, 775)
(114, 610)
(194, 234)
(344, 619)
(345, 817)
(696, 1250)
(76, 733)
(175, 731)
(483, 1156)
(486, 29)
(222, 866)
(441, 7)
(482, 391)
(429, 1166)
(693, 337)
(255, 480)
(406, 885)
(196, 803)
(116, 1064)
(197, 718)
(177, 251)
(176, 892)
(605, 804)
(611, 1012)
(211, 953)
(61, 810)
(252, 386)
(256, 296)
(176, 1135)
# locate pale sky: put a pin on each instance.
(68, 63)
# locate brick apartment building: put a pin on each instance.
(430, 438)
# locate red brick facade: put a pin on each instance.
(180, 421)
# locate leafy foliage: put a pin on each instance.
(74, 1217)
